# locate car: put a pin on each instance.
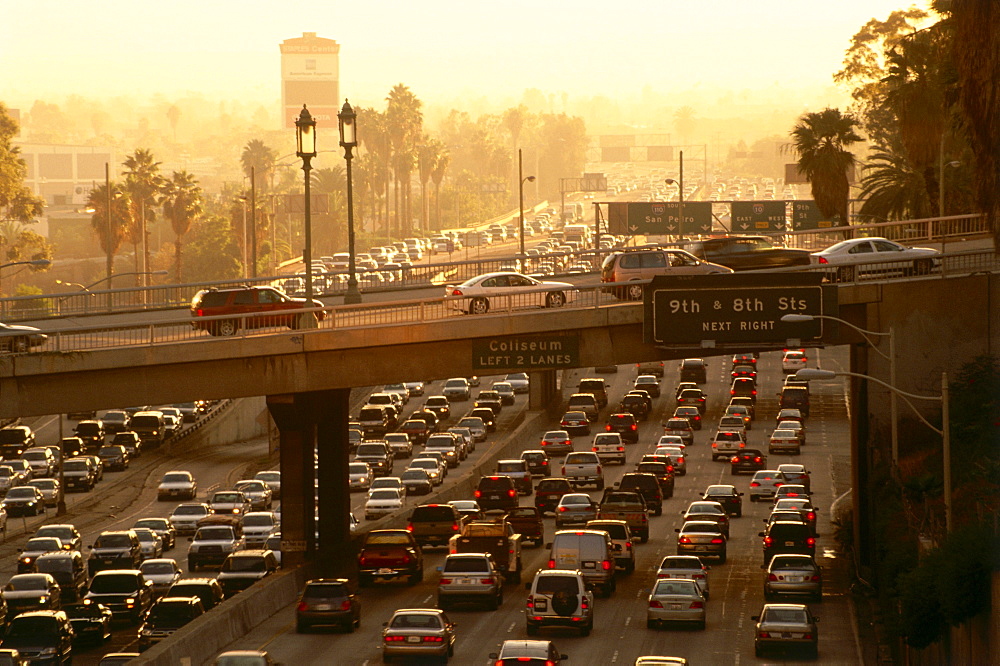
(496, 492)
(639, 265)
(41, 460)
(15, 338)
(575, 423)
(185, 517)
(680, 427)
(785, 627)
(854, 257)
(162, 527)
(784, 441)
(702, 538)
(257, 492)
(790, 491)
(150, 542)
(457, 389)
(35, 546)
(538, 462)
(638, 405)
(508, 290)
(675, 601)
(91, 622)
(125, 591)
(559, 598)
(514, 652)
(23, 501)
(44, 636)
(691, 413)
(743, 387)
(694, 369)
(747, 460)
(742, 412)
(470, 577)
(765, 483)
(359, 476)
(66, 533)
(213, 542)
(114, 457)
(708, 510)
(793, 360)
(733, 422)
(745, 252)
(207, 590)
(416, 481)
(625, 425)
(649, 383)
(418, 632)
(609, 447)
(257, 526)
(432, 468)
(792, 575)
(328, 602)
(506, 392)
(518, 380)
(469, 509)
(797, 426)
(557, 442)
(245, 658)
(727, 496)
(163, 572)
(272, 479)
(382, 503)
(243, 568)
(475, 425)
(749, 371)
(574, 509)
(166, 616)
(229, 502)
(788, 536)
(49, 489)
(247, 307)
(130, 440)
(727, 443)
(685, 567)
(488, 417)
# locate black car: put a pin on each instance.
(646, 485)
(114, 457)
(788, 537)
(125, 591)
(663, 472)
(694, 370)
(747, 460)
(44, 636)
(327, 601)
(625, 425)
(496, 492)
(91, 622)
(115, 550)
(726, 495)
(636, 405)
(538, 462)
(548, 492)
(207, 590)
(742, 253)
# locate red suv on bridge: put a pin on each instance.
(247, 305)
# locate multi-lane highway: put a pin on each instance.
(620, 633)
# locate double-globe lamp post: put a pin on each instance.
(521, 180)
(349, 140)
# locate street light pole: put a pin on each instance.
(349, 140)
(808, 374)
(305, 141)
(891, 357)
(520, 208)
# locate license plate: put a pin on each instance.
(493, 497)
(795, 579)
(413, 639)
(462, 581)
(542, 605)
(385, 572)
(675, 606)
(322, 607)
(589, 565)
(787, 635)
(789, 543)
(701, 548)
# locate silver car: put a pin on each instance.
(575, 508)
(470, 577)
(785, 626)
(765, 483)
(685, 567)
(675, 600)
(793, 575)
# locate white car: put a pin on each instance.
(431, 466)
(257, 525)
(393, 482)
(794, 360)
(456, 389)
(186, 516)
(177, 484)
(685, 567)
(399, 443)
(765, 483)
(383, 502)
(272, 479)
(850, 256)
(162, 572)
(507, 290)
(518, 380)
(359, 476)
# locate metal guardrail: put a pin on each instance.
(417, 311)
(168, 297)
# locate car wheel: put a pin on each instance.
(585, 630)
(658, 511)
(192, 565)
(556, 299)
(479, 306)
(722, 558)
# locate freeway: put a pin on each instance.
(620, 634)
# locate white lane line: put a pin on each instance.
(511, 627)
(614, 657)
(428, 599)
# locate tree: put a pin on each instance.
(144, 184)
(437, 175)
(18, 206)
(821, 141)
(684, 121)
(427, 157)
(329, 229)
(404, 122)
(110, 226)
(892, 190)
(211, 253)
(258, 159)
(174, 116)
(182, 203)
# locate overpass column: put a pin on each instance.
(335, 556)
(297, 436)
(542, 389)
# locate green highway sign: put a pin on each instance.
(526, 352)
(708, 309)
(750, 217)
(659, 218)
(806, 215)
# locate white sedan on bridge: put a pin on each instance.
(508, 290)
(857, 255)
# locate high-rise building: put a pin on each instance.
(310, 75)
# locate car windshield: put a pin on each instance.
(414, 474)
(227, 498)
(152, 568)
(258, 521)
(190, 510)
(672, 586)
(113, 541)
(415, 621)
(785, 615)
(43, 543)
(27, 583)
(556, 584)
(385, 494)
(30, 628)
(114, 584)
(251, 564)
(466, 564)
(214, 534)
(387, 540)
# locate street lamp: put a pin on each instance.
(349, 140)
(808, 374)
(891, 357)
(305, 144)
(246, 237)
(39, 263)
(520, 209)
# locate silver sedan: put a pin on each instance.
(675, 600)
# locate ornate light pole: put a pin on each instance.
(305, 144)
(521, 180)
(349, 140)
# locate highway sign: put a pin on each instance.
(593, 182)
(707, 309)
(806, 215)
(749, 217)
(659, 218)
(526, 352)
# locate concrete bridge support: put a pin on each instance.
(314, 425)
(543, 390)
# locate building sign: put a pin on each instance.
(756, 217)
(695, 310)
(526, 352)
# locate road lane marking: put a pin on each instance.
(511, 627)
(614, 657)
(428, 599)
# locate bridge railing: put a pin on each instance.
(458, 308)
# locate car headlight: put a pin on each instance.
(26, 560)
(145, 631)
(47, 651)
(44, 599)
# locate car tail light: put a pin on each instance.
(456, 292)
(477, 494)
(763, 634)
(757, 459)
(632, 427)
(768, 541)
(433, 639)
(594, 449)
(303, 606)
(653, 603)
(545, 463)
(530, 603)
(715, 445)
(698, 576)
(754, 484)
(409, 527)
(621, 448)
(606, 565)
(811, 542)
(363, 560)
(406, 559)
(810, 516)
(696, 604)
(670, 468)
(718, 540)
(562, 508)
(454, 527)
(395, 639)
(552, 564)
(486, 581)
(772, 577)
(512, 493)
(734, 459)
(815, 577)
(608, 427)
(684, 539)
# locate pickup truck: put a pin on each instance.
(583, 468)
(627, 506)
(527, 521)
(496, 537)
(388, 554)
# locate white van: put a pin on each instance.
(590, 551)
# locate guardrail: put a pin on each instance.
(168, 297)
(396, 313)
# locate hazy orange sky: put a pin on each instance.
(442, 49)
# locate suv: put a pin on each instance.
(245, 302)
(92, 433)
(15, 439)
(727, 443)
(597, 387)
(694, 370)
(497, 492)
(794, 397)
(646, 485)
(788, 537)
(744, 387)
(41, 635)
(376, 420)
(609, 447)
(621, 540)
(559, 598)
(206, 590)
(212, 544)
(167, 616)
(326, 601)
(244, 568)
(586, 403)
(69, 570)
(377, 455)
(548, 492)
(435, 524)
(625, 425)
(519, 471)
(646, 263)
(115, 550)
(150, 426)
(126, 592)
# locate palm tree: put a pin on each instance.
(257, 159)
(143, 182)
(426, 157)
(374, 163)
(110, 232)
(182, 203)
(437, 175)
(404, 123)
(821, 141)
(333, 183)
(892, 189)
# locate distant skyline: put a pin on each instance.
(443, 50)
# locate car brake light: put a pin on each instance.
(816, 577)
(717, 540)
(768, 541)
(433, 639)
(734, 459)
(454, 527)
(477, 494)
(446, 581)
(684, 539)
(409, 527)
(456, 292)
(823, 260)
(632, 427)
(395, 639)
(303, 606)
(552, 564)
(697, 604)
(606, 565)
(653, 603)
(512, 493)
(406, 559)
(772, 577)
(486, 581)
(811, 516)
(530, 603)
(754, 484)
(764, 634)
(810, 542)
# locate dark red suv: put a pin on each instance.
(625, 425)
(252, 307)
